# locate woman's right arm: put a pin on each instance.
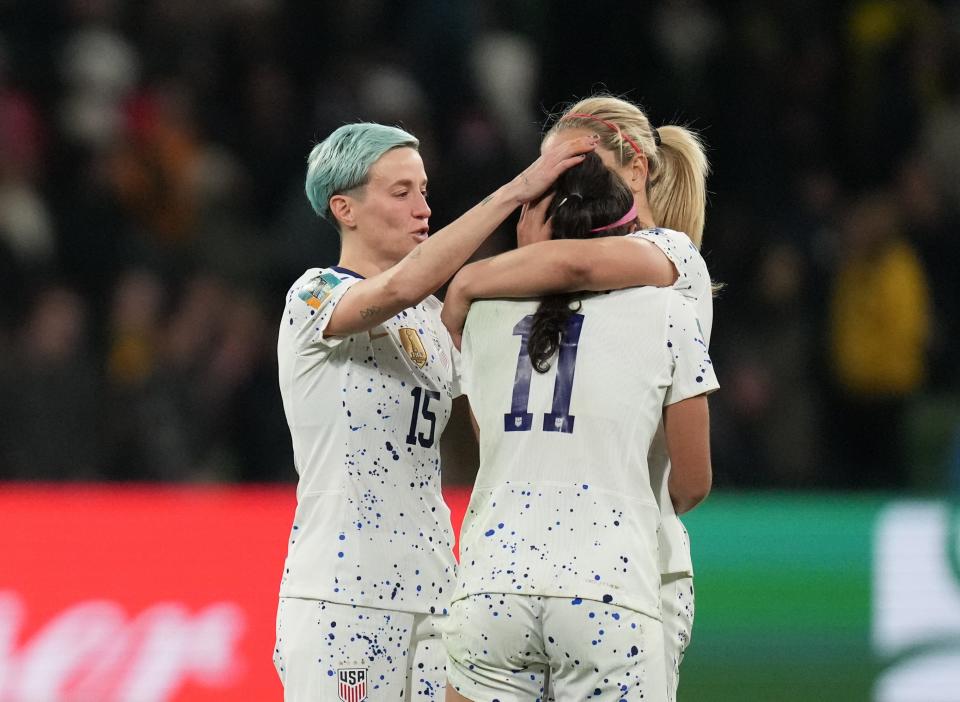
(563, 265)
(374, 300)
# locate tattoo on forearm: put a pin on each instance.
(487, 199)
(369, 312)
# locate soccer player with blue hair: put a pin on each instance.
(367, 376)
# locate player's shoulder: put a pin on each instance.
(647, 304)
(694, 277)
(674, 243)
(498, 314)
(318, 280)
(663, 234)
(646, 294)
(312, 276)
(498, 307)
(678, 304)
(432, 304)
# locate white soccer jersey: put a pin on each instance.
(563, 504)
(693, 282)
(693, 278)
(365, 415)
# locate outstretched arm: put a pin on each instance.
(375, 300)
(563, 265)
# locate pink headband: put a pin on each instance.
(611, 125)
(629, 217)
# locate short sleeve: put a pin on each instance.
(310, 305)
(693, 278)
(693, 372)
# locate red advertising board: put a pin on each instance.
(142, 594)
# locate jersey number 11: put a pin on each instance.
(560, 418)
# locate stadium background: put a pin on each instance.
(152, 217)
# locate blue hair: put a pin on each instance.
(342, 161)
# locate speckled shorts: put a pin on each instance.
(501, 647)
(677, 604)
(328, 651)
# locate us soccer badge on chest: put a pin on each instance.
(352, 684)
(412, 344)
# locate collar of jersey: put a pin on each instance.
(340, 269)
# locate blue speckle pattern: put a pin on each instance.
(316, 639)
(502, 645)
(372, 528)
(694, 283)
(574, 515)
(678, 613)
(571, 516)
(693, 278)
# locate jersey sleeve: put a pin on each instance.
(310, 305)
(456, 386)
(465, 358)
(693, 372)
(693, 278)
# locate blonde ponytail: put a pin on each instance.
(676, 161)
(677, 182)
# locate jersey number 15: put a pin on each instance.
(559, 419)
(423, 409)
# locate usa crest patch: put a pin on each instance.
(352, 684)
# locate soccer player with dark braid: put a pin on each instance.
(559, 587)
(666, 170)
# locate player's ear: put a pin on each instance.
(639, 169)
(343, 209)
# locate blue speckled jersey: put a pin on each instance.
(365, 414)
(693, 282)
(693, 278)
(563, 505)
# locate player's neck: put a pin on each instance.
(359, 259)
(644, 212)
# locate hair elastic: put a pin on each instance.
(629, 217)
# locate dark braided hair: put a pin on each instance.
(585, 197)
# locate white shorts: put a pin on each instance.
(676, 603)
(502, 647)
(329, 651)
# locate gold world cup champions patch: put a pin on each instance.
(410, 340)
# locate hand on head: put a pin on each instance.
(555, 159)
(533, 225)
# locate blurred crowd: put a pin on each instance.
(152, 214)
